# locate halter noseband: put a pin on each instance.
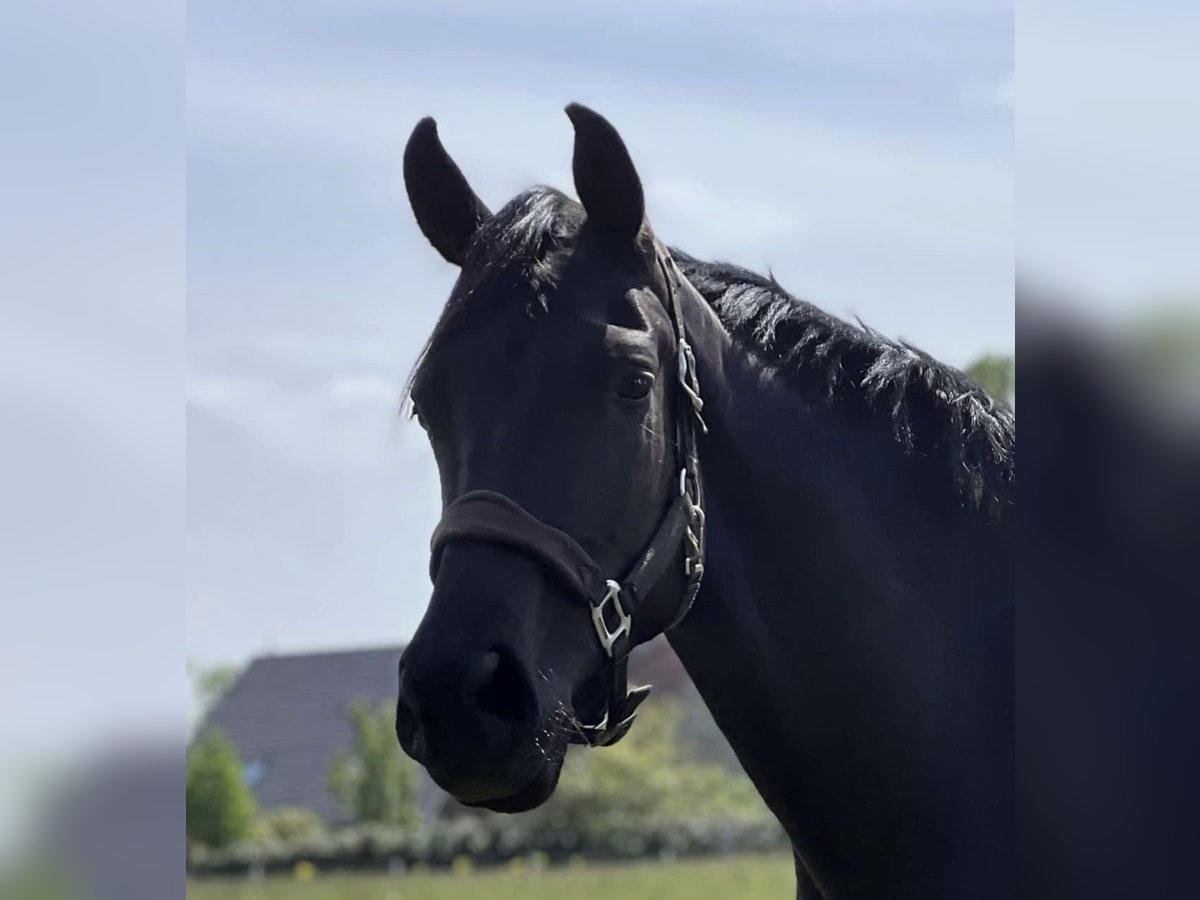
(490, 516)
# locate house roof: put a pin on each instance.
(288, 717)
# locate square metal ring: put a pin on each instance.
(608, 639)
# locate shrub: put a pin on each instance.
(220, 808)
(508, 841)
(288, 824)
(374, 780)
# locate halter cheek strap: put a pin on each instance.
(495, 518)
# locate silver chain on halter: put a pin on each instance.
(689, 480)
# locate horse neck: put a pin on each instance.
(828, 635)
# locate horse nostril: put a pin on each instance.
(497, 685)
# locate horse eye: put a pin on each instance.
(635, 386)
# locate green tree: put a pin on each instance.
(373, 778)
(210, 683)
(220, 807)
(994, 372)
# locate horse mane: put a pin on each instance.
(935, 409)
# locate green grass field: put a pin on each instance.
(750, 877)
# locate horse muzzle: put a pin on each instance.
(477, 726)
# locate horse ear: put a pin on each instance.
(447, 210)
(605, 179)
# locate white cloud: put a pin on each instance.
(1005, 93)
(351, 420)
(368, 391)
(297, 350)
(324, 348)
(991, 95)
(679, 201)
(747, 8)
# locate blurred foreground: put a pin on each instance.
(1108, 674)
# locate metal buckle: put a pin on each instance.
(607, 638)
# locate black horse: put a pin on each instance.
(853, 635)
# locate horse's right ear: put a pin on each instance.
(447, 210)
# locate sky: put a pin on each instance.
(1108, 134)
(861, 152)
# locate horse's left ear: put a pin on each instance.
(605, 179)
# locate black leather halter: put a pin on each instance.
(490, 516)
